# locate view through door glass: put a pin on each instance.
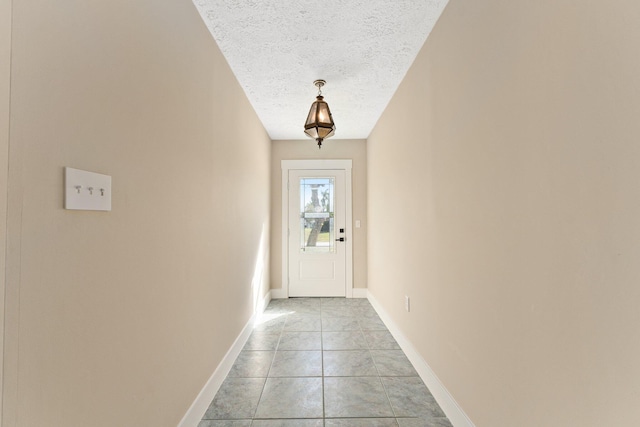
(317, 201)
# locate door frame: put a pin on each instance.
(317, 164)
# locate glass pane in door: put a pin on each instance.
(316, 215)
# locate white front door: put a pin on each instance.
(317, 233)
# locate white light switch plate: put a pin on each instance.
(87, 191)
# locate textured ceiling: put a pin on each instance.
(362, 48)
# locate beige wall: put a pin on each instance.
(123, 316)
(354, 149)
(5, 83)
(503, 191)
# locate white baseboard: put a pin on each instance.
(262, 304)
(279, 293)
(360, 292)
(452, 410)
(198, 408)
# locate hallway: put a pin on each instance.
(322, 362)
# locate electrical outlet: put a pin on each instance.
(407, 303)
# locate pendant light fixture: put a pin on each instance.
(319, 124)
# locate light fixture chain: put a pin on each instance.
(319, 84)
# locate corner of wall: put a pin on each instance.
(6, 15)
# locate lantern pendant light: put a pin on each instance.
(319, 124)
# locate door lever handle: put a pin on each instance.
(341, 239)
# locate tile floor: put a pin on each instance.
(322, 362)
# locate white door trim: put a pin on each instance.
(288, 165)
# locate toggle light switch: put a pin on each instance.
(87, 191)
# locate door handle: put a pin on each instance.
(341, 239)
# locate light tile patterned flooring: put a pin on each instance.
(322, 362)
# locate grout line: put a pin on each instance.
(386, 393)
(368, 349)
(264, 385)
